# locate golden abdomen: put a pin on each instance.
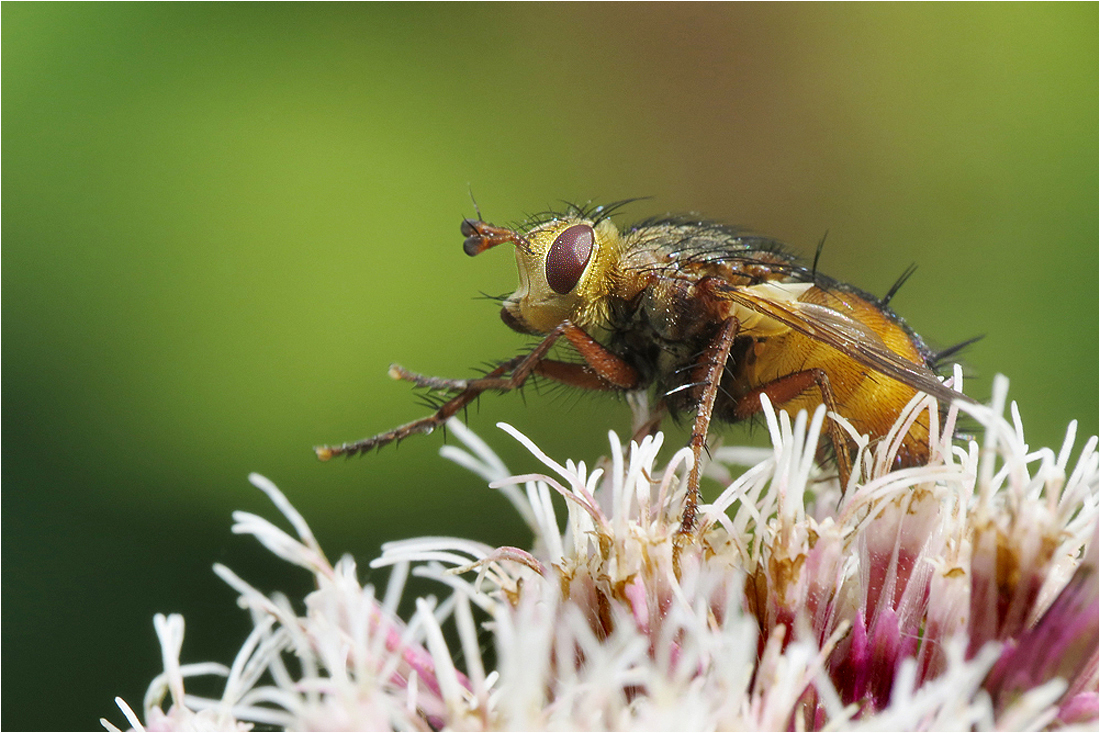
(870, 400)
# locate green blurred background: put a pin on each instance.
(222, 222)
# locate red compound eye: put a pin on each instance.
(568, 256)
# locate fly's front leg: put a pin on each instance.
(442, 384)
(467, 394)
(602, 370)
(708, 374)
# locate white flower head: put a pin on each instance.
(960, 594)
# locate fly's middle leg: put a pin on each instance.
(708, 375)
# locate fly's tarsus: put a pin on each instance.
(422, 426)
(396, 371)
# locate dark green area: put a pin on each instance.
(222, 222)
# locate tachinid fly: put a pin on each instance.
(704, 318)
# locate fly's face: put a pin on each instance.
(566, 270)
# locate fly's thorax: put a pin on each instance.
(567, 269)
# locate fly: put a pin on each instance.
(703, 317)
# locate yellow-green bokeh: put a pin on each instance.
(221, 223)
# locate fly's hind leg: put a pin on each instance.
(787, 388)
(602, 369)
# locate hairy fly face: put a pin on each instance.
(566, 270)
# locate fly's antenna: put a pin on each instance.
(481, 236)
(477, 209)
(898, 283)
(817, 255)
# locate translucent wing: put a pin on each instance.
(835, 329)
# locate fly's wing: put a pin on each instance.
(844, 334)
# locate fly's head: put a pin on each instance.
(567, 268)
